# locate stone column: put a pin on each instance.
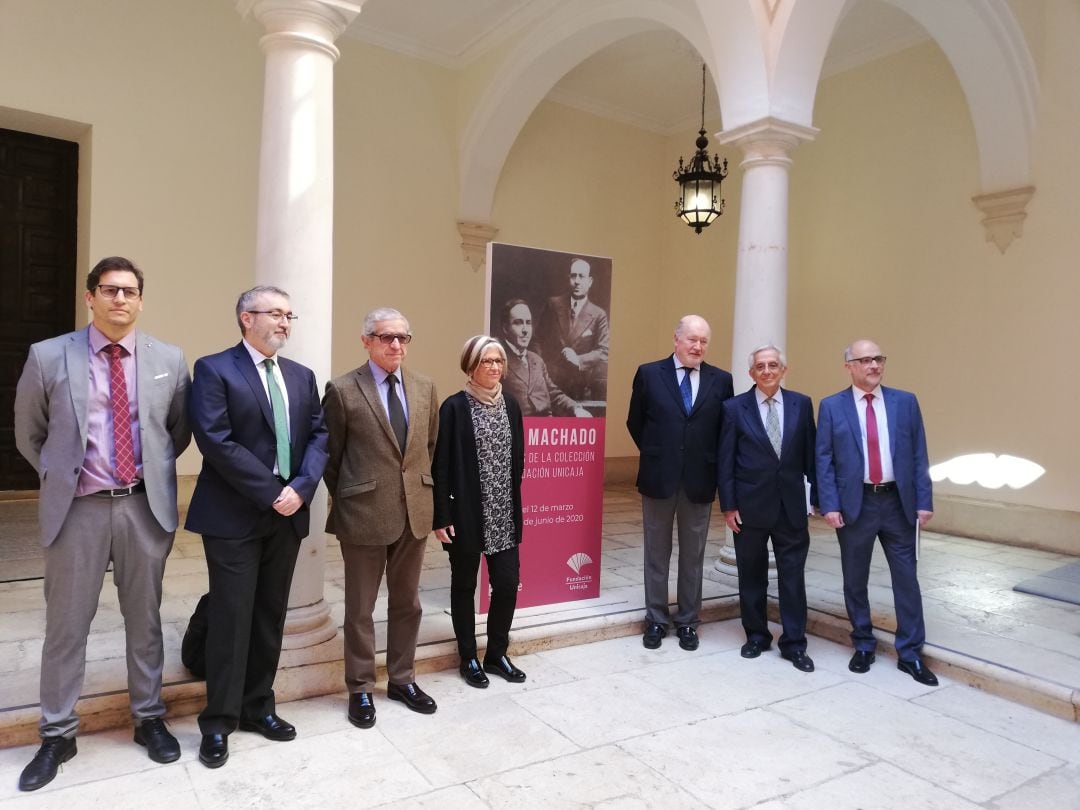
(294, 241)
(761, 264)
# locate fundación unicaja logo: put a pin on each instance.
(579, 582)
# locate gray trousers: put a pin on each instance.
(659, 517)
(96, 531)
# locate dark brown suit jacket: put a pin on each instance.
(368, 477)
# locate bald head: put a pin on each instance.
(691, 340)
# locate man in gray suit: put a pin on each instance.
(101, 415)
(383, 421)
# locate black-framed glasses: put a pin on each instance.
(865, 361)
(276, 314)
(111, 291)
(491, 362)
(389, 337)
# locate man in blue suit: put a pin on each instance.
(874, 482)
(258, 422)
(766, 453)
(676, 408)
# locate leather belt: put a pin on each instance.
(123, 492)
(888, 486)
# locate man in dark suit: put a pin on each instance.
(575, 338)
(676, 409)
(766, 451)
(101, 415)
(874, 482)
(526, 378)
(257, 420)
(383, 420)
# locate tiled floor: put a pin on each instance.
(612, 724)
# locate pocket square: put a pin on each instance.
(587, 333)
(161, 376)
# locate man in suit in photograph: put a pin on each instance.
(676, 410)
(526, 378)
(575, 338)
(383, 420)
(258, 423)
(101, 415)
(766, 451)
(874, 483)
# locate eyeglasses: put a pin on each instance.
(111, 291)
(389, 337)
(773, 366)
(275, 314)
(866, 361)
(491, 362)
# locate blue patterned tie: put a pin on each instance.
(686, 391)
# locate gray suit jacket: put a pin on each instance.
(50, 421)
(372, 485)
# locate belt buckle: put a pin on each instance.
(119, 493)
(879, 488)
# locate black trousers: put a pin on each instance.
(250, 579)
(503, 575)
(790, 545)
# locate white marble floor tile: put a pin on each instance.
(161, 787)
(743, 759)
(455, 797)
(330, 770)
(612, 655)
(605, 777)
(606, 709)
(1051, 735)
(1056, 790)
(953, 755)
(725, 683)
(474, 739)
(877, 787)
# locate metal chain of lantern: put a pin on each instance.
(699, 202)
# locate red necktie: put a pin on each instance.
(873, 449)
(121, 418)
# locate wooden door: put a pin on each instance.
(38, 197)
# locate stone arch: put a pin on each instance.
(982, 41)
(525, 78)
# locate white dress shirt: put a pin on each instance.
(882, 432)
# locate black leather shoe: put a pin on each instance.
(800, 660)
(361, 710)
(214, 750)
(860, 662)
(505, 669)
(161, 745)
(653, 633)
(917, 670)
(473, 674)
(412, 696)
(688, 638)
(54, 751)
(272, 727)
(753, 648)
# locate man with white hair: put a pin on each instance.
(766, 452)
(676, 408)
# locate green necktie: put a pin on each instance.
(281, 424)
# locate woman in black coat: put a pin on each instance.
(479, 462)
